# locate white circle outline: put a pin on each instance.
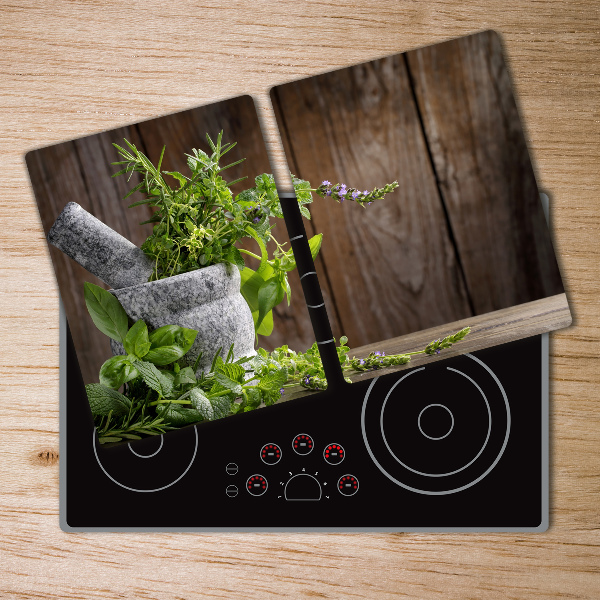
(236, 469)
(162, 441)
(164, 487)
(236, 490)
(487, 437)
(357, 484)
(441, 437)
(266, 487)
(455, 490)
(343, 457)
(310, 438)
(280, 453)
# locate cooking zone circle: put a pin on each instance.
(437, 429)
(151, 471)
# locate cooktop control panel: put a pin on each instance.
(277, 472)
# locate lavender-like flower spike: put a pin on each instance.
(340, 192)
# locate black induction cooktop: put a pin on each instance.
(457, 445)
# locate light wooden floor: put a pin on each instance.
(69, 68)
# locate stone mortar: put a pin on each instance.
(207, 300)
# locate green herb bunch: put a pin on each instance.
(160, 394)
(200, 223)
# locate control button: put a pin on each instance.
(347, 485)
(256, 485)
(270, 454)
(334, 454)
(232, 491)
(231, 469)
(303, 444)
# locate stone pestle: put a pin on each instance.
(99, 249)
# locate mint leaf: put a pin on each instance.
(104, 400)
(185, 376)
(136, 341)
(221, 406)
(271, 384)
(106, 312)
(233, 372)
(154, 378)
(229, 384)
(210, 408)
(234, 256)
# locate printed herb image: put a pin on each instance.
(186, 314)
(197, 225)
(159, 394)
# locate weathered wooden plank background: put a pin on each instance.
(70, 68)
(464, 234)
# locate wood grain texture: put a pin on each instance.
(465, 233)
(377, 266)
(484, 172)
(74, 68)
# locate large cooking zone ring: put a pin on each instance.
(438, 429)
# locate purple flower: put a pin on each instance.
(328, 193)
(355, 195)
(281, 391)
(369, 203)
(256, 219)
(361, 361)
(326, 182)
(365, 193)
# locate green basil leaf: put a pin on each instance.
(154, 378)
(266, 326)
(136, 341)
(267, 297)
(116, 371)
(315, 244)
(106, 312)
(169, 343)
(104, 400)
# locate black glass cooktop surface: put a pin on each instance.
(456, 445)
